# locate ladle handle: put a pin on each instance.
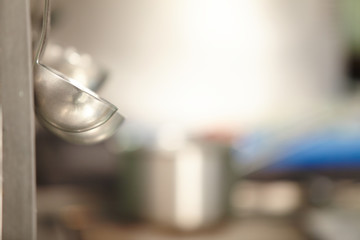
(44, 32)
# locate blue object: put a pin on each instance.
(320, 151)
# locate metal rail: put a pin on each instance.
(18, 131)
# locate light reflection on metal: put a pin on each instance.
(75, 65)
(189, 165)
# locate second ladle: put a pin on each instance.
(65, 107)
(75, 65)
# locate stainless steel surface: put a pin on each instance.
(18, 135)
(67, 108)
(188, 184)
(90, 136)
(65, 104)
(75, 65)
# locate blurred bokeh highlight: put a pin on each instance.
(243, 121)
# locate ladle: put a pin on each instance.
(67, 108)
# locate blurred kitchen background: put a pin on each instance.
(243, 121)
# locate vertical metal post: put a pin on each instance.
(16, 95)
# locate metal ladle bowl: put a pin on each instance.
(90, 136)
(65, 107)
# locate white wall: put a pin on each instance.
(209, 62)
